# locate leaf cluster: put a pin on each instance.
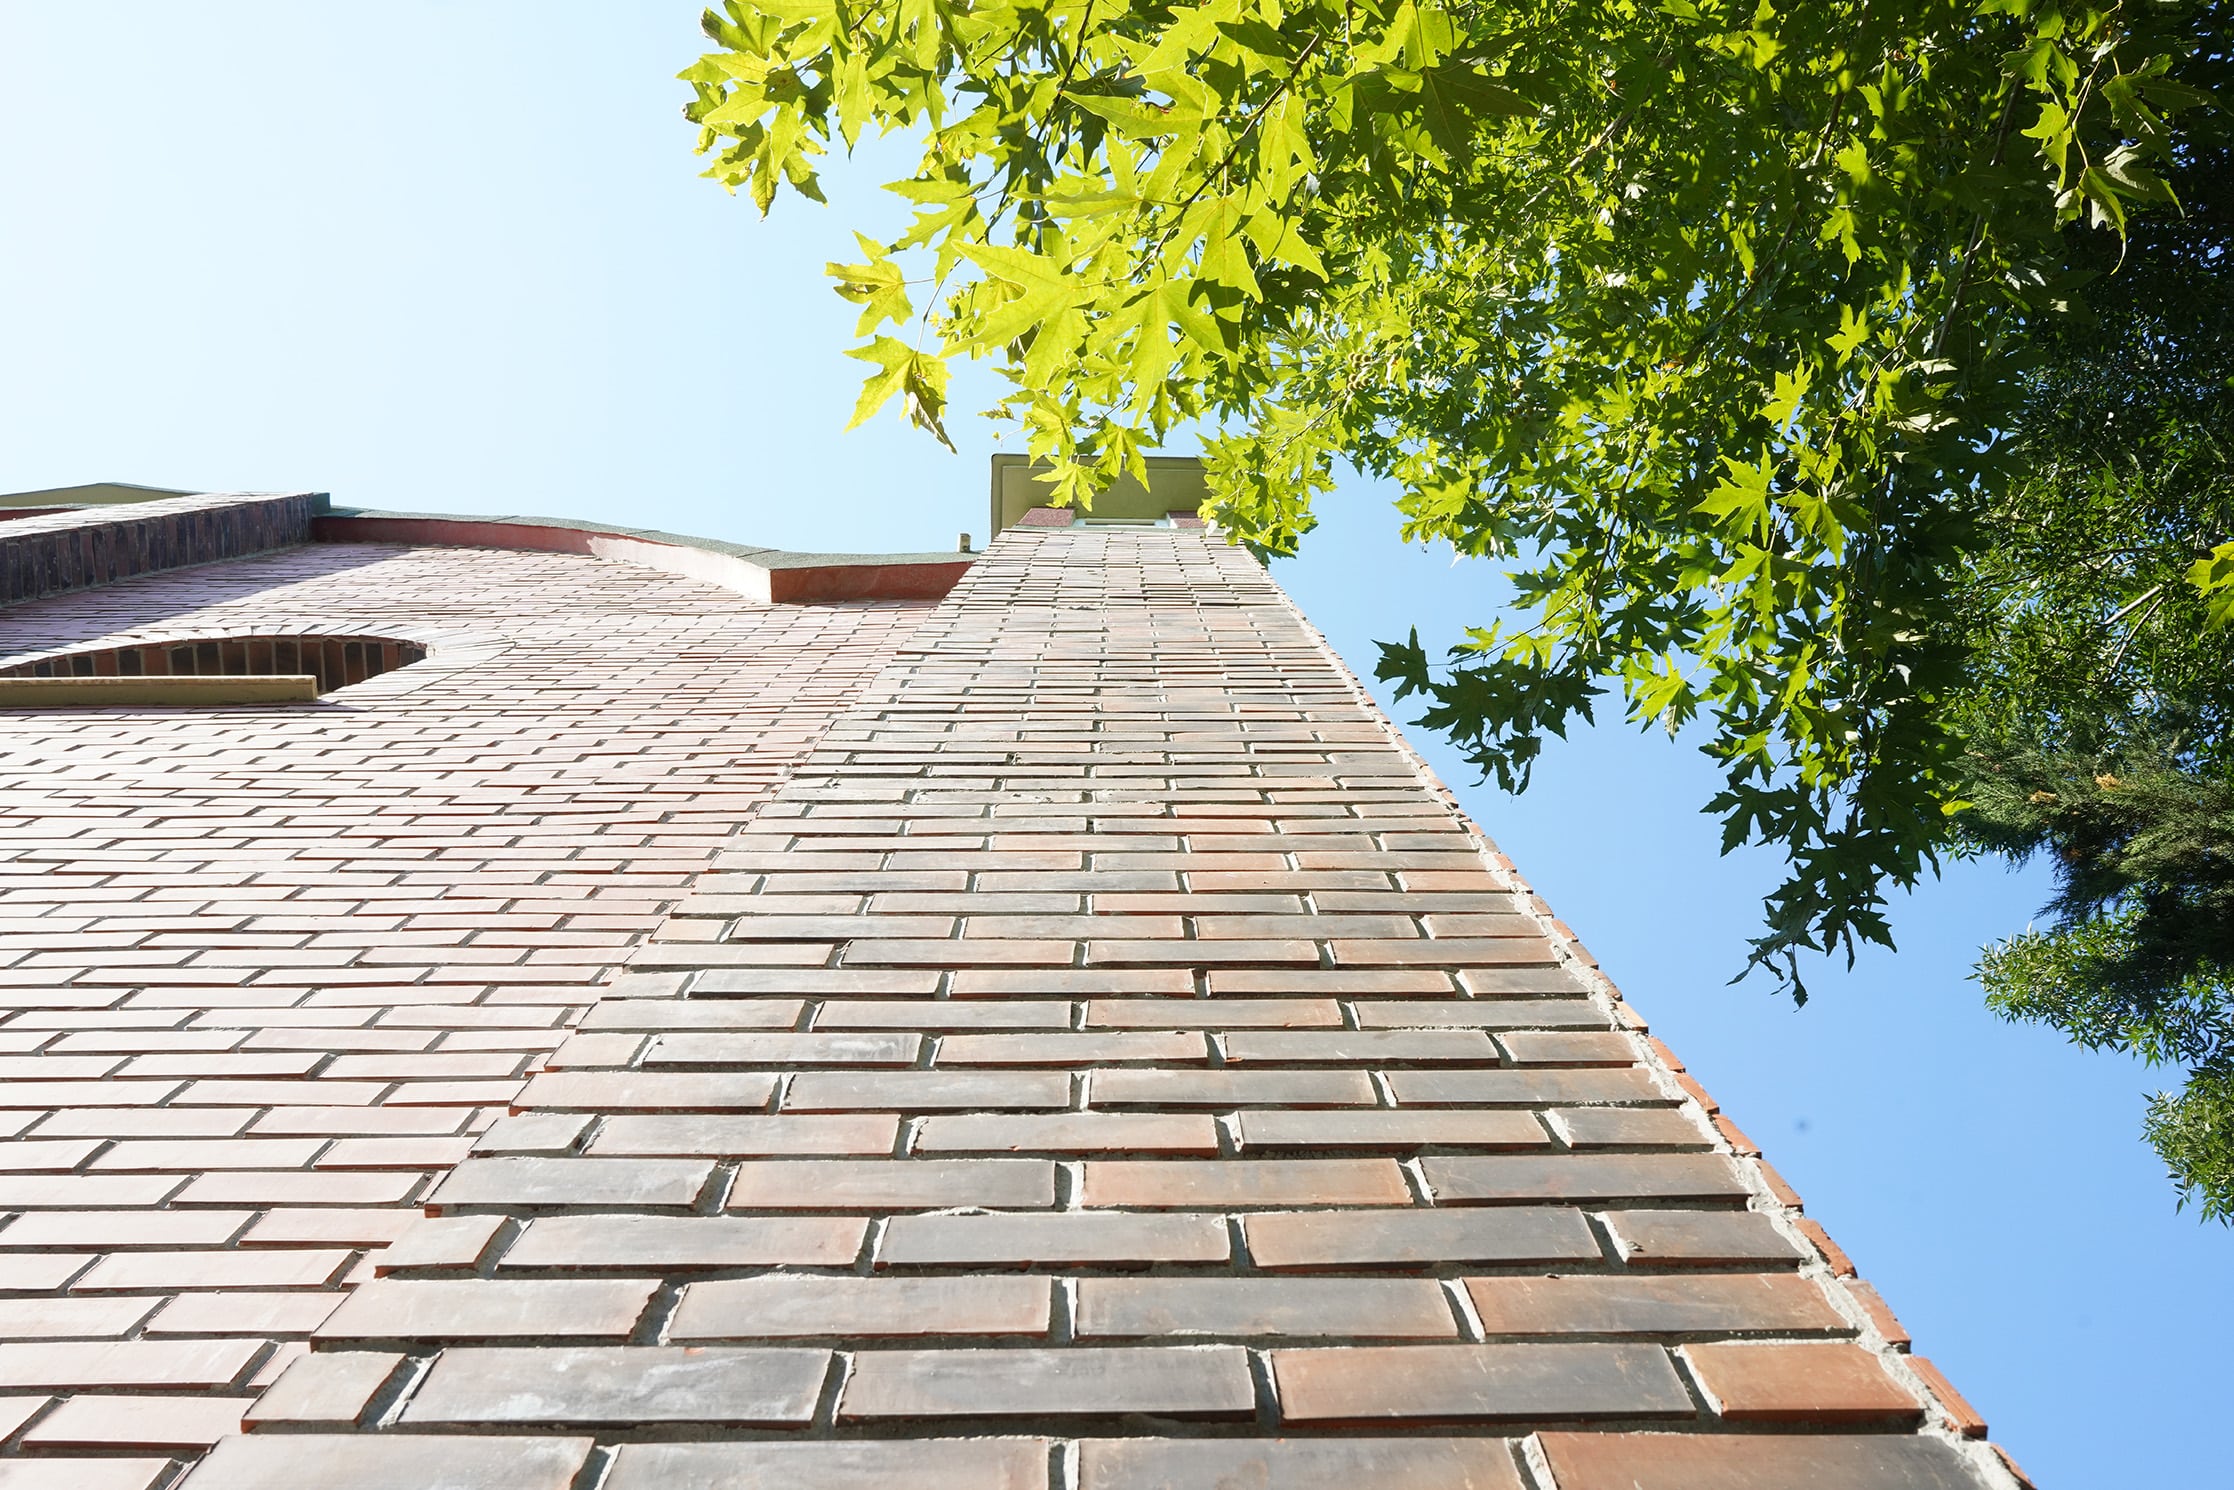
(1705, 317)
(2087, 626)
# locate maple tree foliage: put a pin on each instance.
(1707, 320)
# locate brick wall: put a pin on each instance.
(77, 550)
(1106, 1061)
(265, 973)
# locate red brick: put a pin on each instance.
(1567, 1048)
(70, 1319)
(40, 1272)
(1472, 952)
(1628, 1128)
(1329, 983)
(1065, 1238)
(1535, 1086)
(86, 1191)
(281, 1093)
(1784, 1193)
(332, 1389)
(480, 1308)
(126, 1364)
(147, 1272)
(1184, 1381)
(327, 1122)
(1215, 1014)
(1961, 1416)
(620, 1386)
(1582, 1177)
(1532, 1015)
(1880, 1314)
(1739, 1143)
(753, 956)
(1069, 1133)
(1477, 1383)
(84, 1474)
(892, 1184)
(123, 1229)
(532, 1183)
(1108, 952)
(591, 1052)
(1359, 1047)
(1665, 1238)
(395, 1153)
(1299, 1463)
(918, 1463)
(1417, 1238)
(450, 1243)
(1717, 1461)
(1833, 1254)
(926, 1091)
(290, 1461)
(279, 1188)
(729, 1135)
(959, 953)
(1215, 1183)
(992, 982)
(1714, 1304)
(684, 1243)
(805, 1306)
(242, 1312)
(793, 927)
(1394, 1131)
(144, 1122)
(36, 1156)
(1360, 1308)
(944, 1014)
(1125, 1087)
(783, 1049)
(614, 1013)
(330, 1227)
(1065, 1049)
(1822, 1384)
(1487, 982)
(142, 1422)
(645, 1091)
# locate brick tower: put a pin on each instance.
(652, 1015)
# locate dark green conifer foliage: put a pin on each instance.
(2100, 714)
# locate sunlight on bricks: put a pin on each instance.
(1059, 1038)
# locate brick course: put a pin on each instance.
(269, 974)
(1066, 1031)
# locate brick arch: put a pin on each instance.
(430, 652)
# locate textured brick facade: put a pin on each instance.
(77, 550)
(1059, 1039)
(270, 971)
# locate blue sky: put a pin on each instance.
(455, 257)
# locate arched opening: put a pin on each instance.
(335, 661)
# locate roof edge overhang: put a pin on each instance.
(53, 550)
(773, 575)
